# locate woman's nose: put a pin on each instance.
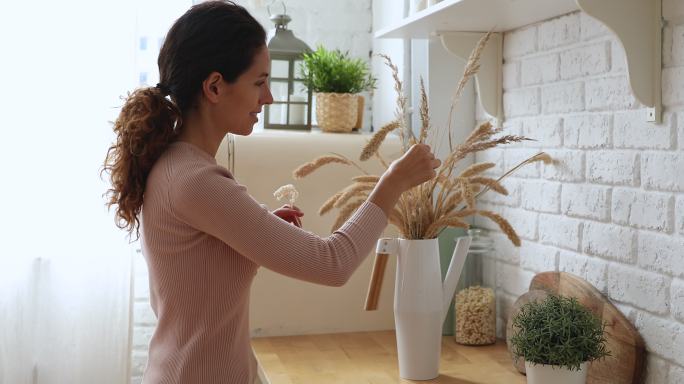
(266, 96)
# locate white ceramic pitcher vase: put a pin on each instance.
(421, 301)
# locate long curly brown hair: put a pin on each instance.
(146, 125)
(214, 36)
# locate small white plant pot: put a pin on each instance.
(547, 374)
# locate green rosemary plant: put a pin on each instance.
(558, 331)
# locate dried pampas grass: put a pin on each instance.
(447, 200)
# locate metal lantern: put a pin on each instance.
(291, 108)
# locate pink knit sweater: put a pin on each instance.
(204, 237)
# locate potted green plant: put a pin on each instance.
(557, 337)
(336, 79)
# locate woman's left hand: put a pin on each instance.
(290, 214)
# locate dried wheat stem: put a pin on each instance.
(374, 143)
(351, 162)
(541, 156)
(328, 205)
(308, 168)
(471, 68)
(450, 221)
(467, 191)
(366, 179)
(490, 184)
(504, 225)
(356, 189)
(424, 113)
(405, 133)
(476, 169)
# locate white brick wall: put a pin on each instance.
(540, 196)
(613, 167)
(677, 297)
(644, 290)
(559, 231)
(609, 93)
(609, 241)
(680, 214)
(563, 97)
(588, 131)
(585, 60)
(592, 269)
(612, 209)
(632, 131)
(547, 132)
(539, 258)
(661, 253)
(641, 209)
(539, 70)
(585, 201)
(657, 169)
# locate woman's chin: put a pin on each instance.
(242, 131)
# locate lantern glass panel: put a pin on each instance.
(280, 69)
(299, 92)
(277, 114)
(298, 64)
(279, 90)
(297, 114)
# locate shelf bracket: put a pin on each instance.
(488, 80)
(638, 26)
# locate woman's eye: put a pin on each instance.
(260, 83)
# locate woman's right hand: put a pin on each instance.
(415, 167)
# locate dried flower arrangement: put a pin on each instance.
(445, 201)
(288, 193)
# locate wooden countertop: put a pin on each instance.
(371, 357)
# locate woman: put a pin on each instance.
(203, 236)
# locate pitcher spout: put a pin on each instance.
(454, 272)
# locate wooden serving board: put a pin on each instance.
(626, 364)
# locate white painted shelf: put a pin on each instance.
(459, 23)
(476, 16)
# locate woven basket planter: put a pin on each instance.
(336, 112)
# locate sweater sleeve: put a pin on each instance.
(210, 200)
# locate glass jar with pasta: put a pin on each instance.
(475, 305)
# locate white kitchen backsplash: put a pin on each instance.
(612, 211)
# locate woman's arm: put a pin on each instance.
(208, 199)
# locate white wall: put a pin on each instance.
(386, 12)
(613, 213)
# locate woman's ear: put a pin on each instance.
(212, 87)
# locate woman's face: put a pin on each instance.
(247, 95)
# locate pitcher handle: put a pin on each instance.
(384, 248)
(454, 273)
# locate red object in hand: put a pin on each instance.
(290, 214)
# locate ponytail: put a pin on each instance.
(146, 125)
